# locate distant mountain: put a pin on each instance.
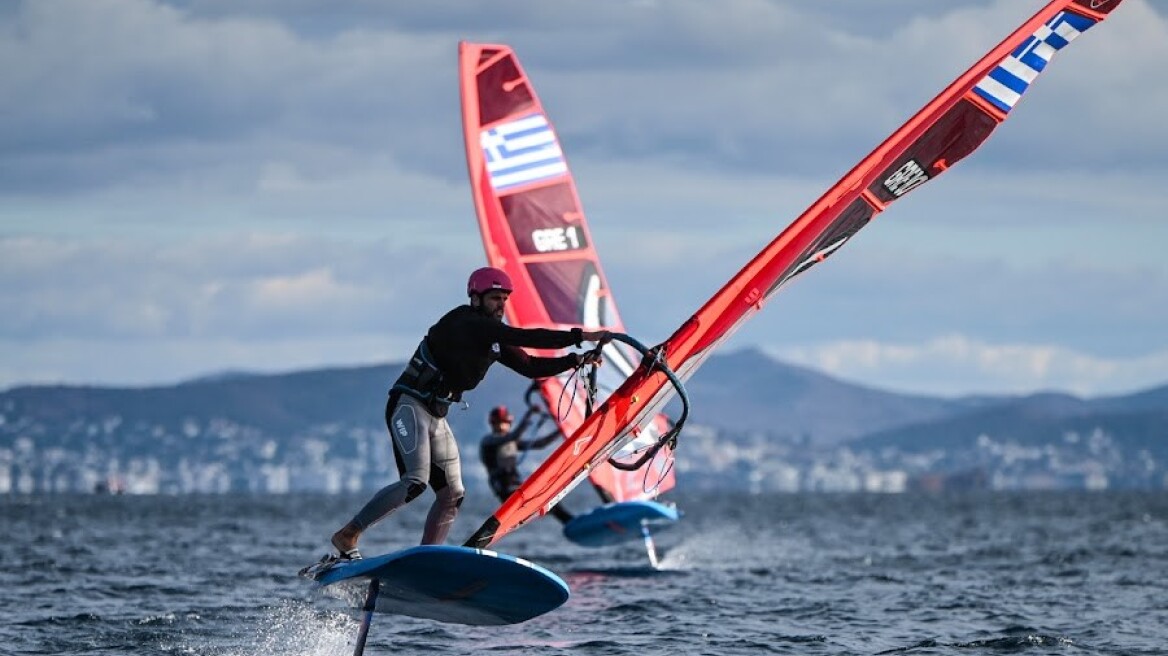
(754, 421)
(749, 391)
(1138, 421)
(745, 391)
(1153, 399)
(221, 376)
(274, 403)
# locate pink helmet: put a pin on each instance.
(487, 278)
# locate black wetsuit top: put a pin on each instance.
(465, 343)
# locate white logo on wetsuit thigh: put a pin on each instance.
(495, 347)
(405, 428)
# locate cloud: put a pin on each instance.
(905, 293)
(817, 93)
(163, 91)
(59, 360)
(275, 178)
(223, 90)
(247, 287)
(137, 312)
(958, 364)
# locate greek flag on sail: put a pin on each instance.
(1006, 83)
(522, 151)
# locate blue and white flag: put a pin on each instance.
(522, 151)
(1004, 86)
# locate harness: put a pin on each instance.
(423, 380)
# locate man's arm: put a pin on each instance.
(495, 331)
(520, 362)
(540, 442)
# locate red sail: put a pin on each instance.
(533, 227)
(945, 131)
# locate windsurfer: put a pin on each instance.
(499, 451)
(453, 358)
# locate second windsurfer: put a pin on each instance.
(499, 452)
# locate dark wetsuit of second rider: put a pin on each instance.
(499, 452)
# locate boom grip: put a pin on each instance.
(654, 359)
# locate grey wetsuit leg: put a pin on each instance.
(410, 428)
(446, 479)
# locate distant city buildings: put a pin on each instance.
(218, 456)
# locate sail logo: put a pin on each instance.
(908, 177)
(1004, 85)
(555, 239)
(579, 445)
(522, 151)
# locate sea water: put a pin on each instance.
(984, 573)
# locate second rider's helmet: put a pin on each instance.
(499, 414)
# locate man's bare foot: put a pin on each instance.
(345, 541)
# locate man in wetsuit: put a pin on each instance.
(499, 451)
(452, 358)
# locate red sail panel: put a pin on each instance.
(946, 130)
(533, 227)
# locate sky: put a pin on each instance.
(188, 188)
